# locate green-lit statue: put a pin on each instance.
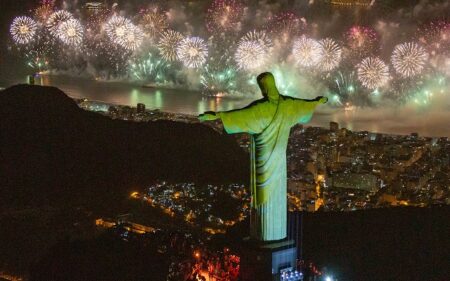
(268, 121)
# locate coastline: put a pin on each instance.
(389, 120)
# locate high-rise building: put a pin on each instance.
(140, 108)
(334, 126)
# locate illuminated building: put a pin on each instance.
(364, 3)
(105, 223)
(94, 6)
(140, 108)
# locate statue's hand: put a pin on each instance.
(322, 99)
(208, 116)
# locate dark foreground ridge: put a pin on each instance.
(53, 151)
(403, 243)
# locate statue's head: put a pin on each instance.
(266, 83)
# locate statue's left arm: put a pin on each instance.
(303, 109)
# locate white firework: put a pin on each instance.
(23, 30)
(306, 51)
(373, 73)
(70, 32)
(56, 19)
(253, 51)
(330, 54)
(168, 44)
(192, 51)
(133, 38)
(116, 28)
(409, 59)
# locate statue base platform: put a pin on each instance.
(266, 261)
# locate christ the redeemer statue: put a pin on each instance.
(268, 121)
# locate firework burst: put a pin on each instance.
(224, 15)
(70, 32)
(153, 22)
(330, 54)
(409, 59)
(116, 28)
(95, 21)
(23, 30)
(149, 68)
(122, 32)
(373, 73)
(344, 87)
(436, 37)
(55, 19)
(168, 44)
(36, 62)
(192, 51)
(286, 25)
(253, 50)
(133, 38)
(361, 41)
(306, 51)
(218, 81)
(43, 12)
(218, 76)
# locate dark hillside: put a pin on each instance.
(53, 152)
(403, 243)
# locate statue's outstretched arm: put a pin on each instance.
(318, 99)
(303, 109)
(208, 116)
(211, 115)
(243, 120)
(321, 99)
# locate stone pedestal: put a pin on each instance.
(266, 261)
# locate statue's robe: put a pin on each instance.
(268, 121)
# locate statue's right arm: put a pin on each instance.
(321, 99)
(318, 100)
(208, 116)
(211, 115)
(241, 120)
